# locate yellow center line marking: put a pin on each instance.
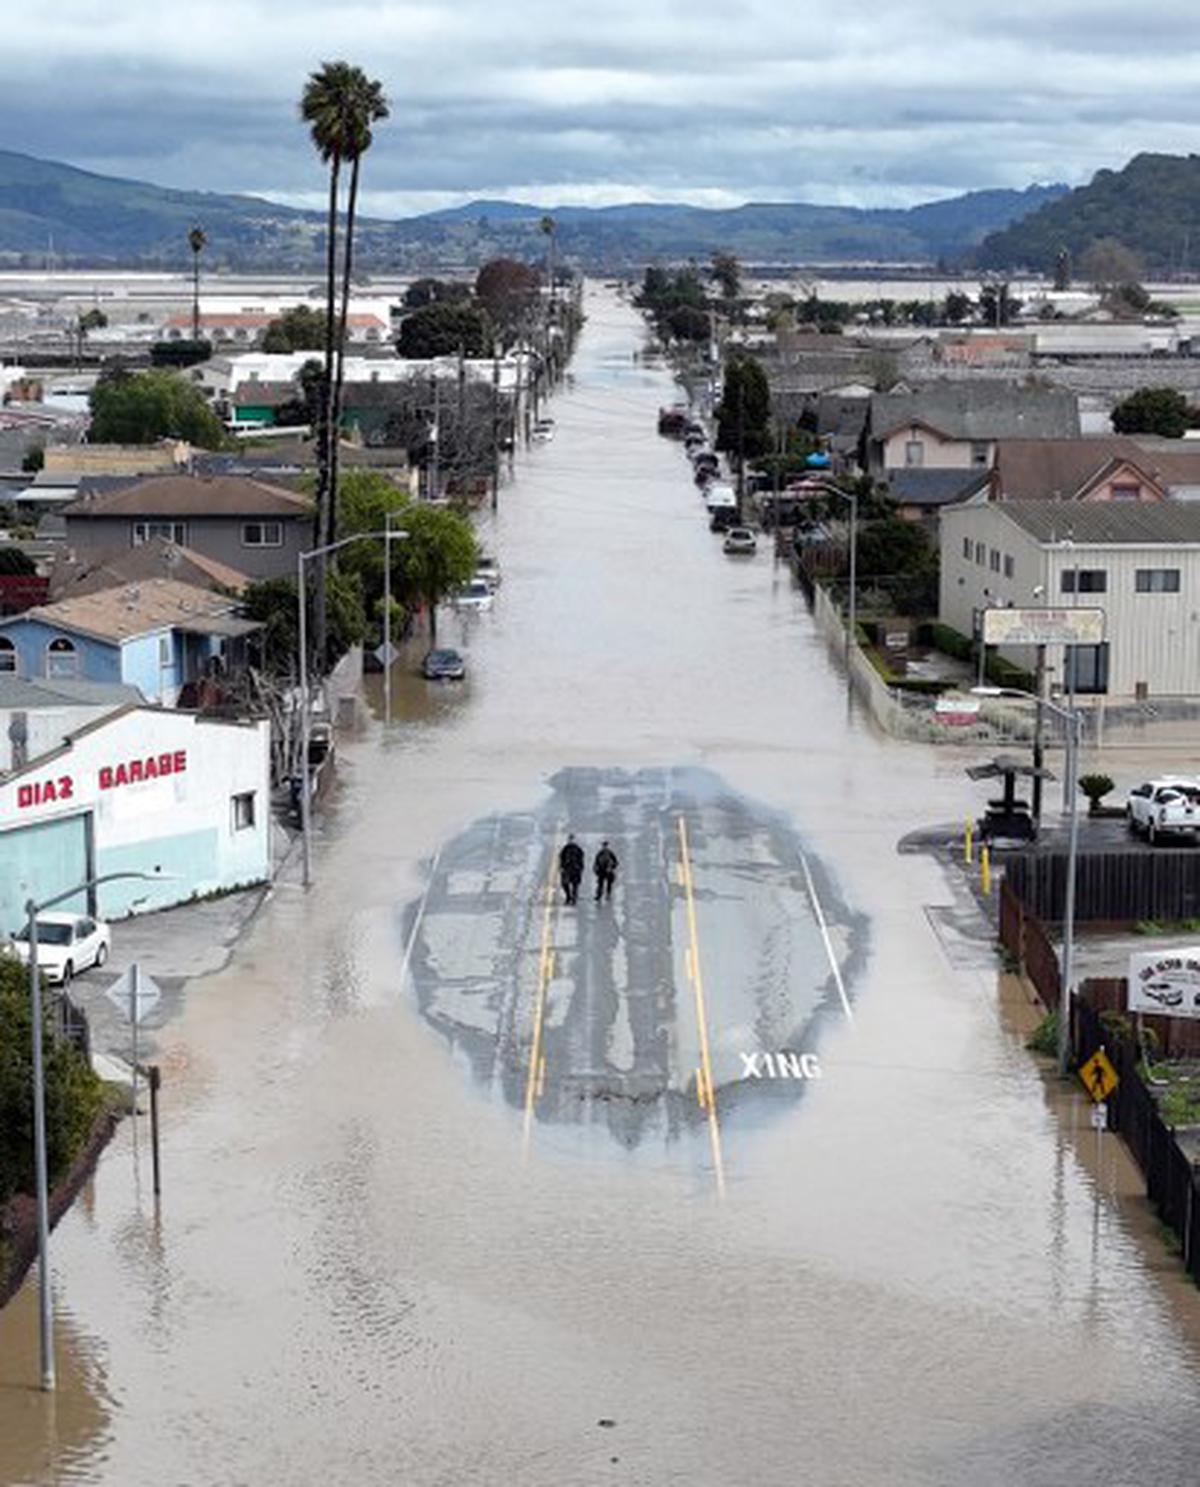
(537, 1063)
(705, 1080)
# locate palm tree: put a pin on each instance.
(197, 238)
(367, 106)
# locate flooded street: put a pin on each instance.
(394, 1247)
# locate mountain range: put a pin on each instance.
(79, 218)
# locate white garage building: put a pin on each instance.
(144, 789)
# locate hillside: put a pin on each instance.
(1152, 206)
(93, 220)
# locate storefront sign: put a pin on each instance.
(956, 711)
(108, 777)
(1043, 626)
(1167, 982)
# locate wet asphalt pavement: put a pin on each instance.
(445, 1199)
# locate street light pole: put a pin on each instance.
(1074, 733)
(40, 1162)
(852, 627)
(388, 535)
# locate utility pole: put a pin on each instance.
(1039, 723)
(437, 477)
(495, 431)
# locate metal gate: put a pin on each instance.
(40, 860)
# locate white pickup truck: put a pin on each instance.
(1163, 808)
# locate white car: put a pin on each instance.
(1161, 808)
(67, 944)
(477, 594)
(489, 570)
(543, 431)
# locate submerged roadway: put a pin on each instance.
(740, 1177)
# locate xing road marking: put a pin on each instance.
(536, 1079)
(705, 1092)
(823, 927)
(420, 915)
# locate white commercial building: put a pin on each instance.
(141, 790)
(1139, 562)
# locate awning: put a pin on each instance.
(1005, 764)
(218, 624)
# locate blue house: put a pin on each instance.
(158, 635)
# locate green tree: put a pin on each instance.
(422, 292)
(298, 328)
(956, 307)
(1109, 262)
(370, 501)
(728, 275)
(34, 459)
(74, 1094)
(140, 407)
(443, 329)
(1153, 410)
(996, 305)
(744, 414)
(508, 290)
(16, 563)
(197, 238)
(1062, 269)
(438, 555)
(273, 603)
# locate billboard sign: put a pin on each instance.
(1166, 982)
(1043, 626)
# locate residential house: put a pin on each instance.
(256, 404)
(157, 636)
(1111, 469)
(245, 524)
(956, 425)
(157, 558)
(73, 462)
(1139, 561)
(921, 495)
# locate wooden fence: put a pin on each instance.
(1024, 937)
(1110, 887)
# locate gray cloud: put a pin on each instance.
(744, 99)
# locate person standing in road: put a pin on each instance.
(570, 869)
(605, 868)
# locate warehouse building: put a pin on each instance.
(141, 790)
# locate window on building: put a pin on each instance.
(1085, 668)
(243, 811)
(1157, 580)
(1008, 565)
(1127, 493)
(979, 453)
(967, 548)
(62, 659)
(1084, 580)
(8, 655)
(995, 560)
(165, 655)
(981, 553)
(173, 531)
(914, 453)
(262, 534)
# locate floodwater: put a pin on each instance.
(385, 1255)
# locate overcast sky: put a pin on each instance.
(710, 101)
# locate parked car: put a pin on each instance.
(543, 431)
(476, 593)
(722, 519)
(67, 944)
(740, 540)
(673, 421)
(489, 570)
(1161, 808)
(718, 495)
(443, 666)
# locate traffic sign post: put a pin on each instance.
(1098, 1076)
(134, 995)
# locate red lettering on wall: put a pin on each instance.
(135, 772)
(45, 792)
(106, 778)
(24, 796)
(180, 760)
(66, 787)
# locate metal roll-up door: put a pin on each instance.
(40, 860)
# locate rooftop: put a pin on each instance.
(1062, 469)
(192, 495)
(930, 487)
(157, 558)
(1099, 523)
(979, 411)
(18, 693)
(117, 614)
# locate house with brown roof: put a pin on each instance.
(158, 635)
(956, 425)
(244, 524)
(73, 574)
(1100, 469)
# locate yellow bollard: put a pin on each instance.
(985, 871)
(969, 842)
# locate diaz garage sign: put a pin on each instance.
(1166, 982)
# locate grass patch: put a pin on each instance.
(1044, 1038)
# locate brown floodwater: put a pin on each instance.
(378, 1260)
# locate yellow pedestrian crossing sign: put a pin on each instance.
(1098, 1075)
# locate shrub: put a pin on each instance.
(1096, 787)
(1044, 1038)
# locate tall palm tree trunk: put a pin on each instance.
(321, 523)
(340, 347)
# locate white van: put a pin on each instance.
(720, 498)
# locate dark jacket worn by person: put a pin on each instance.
(570, 861)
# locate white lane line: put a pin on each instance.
(416, 928)
(824, 928)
